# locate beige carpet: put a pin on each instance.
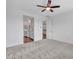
(44, 49)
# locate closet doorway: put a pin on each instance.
(44, 29)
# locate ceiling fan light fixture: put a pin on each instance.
(48, 8)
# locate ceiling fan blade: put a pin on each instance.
(41, 6)
(43, 10)
(54, 6)
(51, 10)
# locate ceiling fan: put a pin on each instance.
(48, 7)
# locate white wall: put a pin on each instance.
(60, 27)
(49, 27)
(38, 29)
(14, 28)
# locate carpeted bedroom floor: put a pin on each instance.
(43, 49)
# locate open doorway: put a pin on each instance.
(44, 29)
(28, 26)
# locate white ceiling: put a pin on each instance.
(30, 6)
